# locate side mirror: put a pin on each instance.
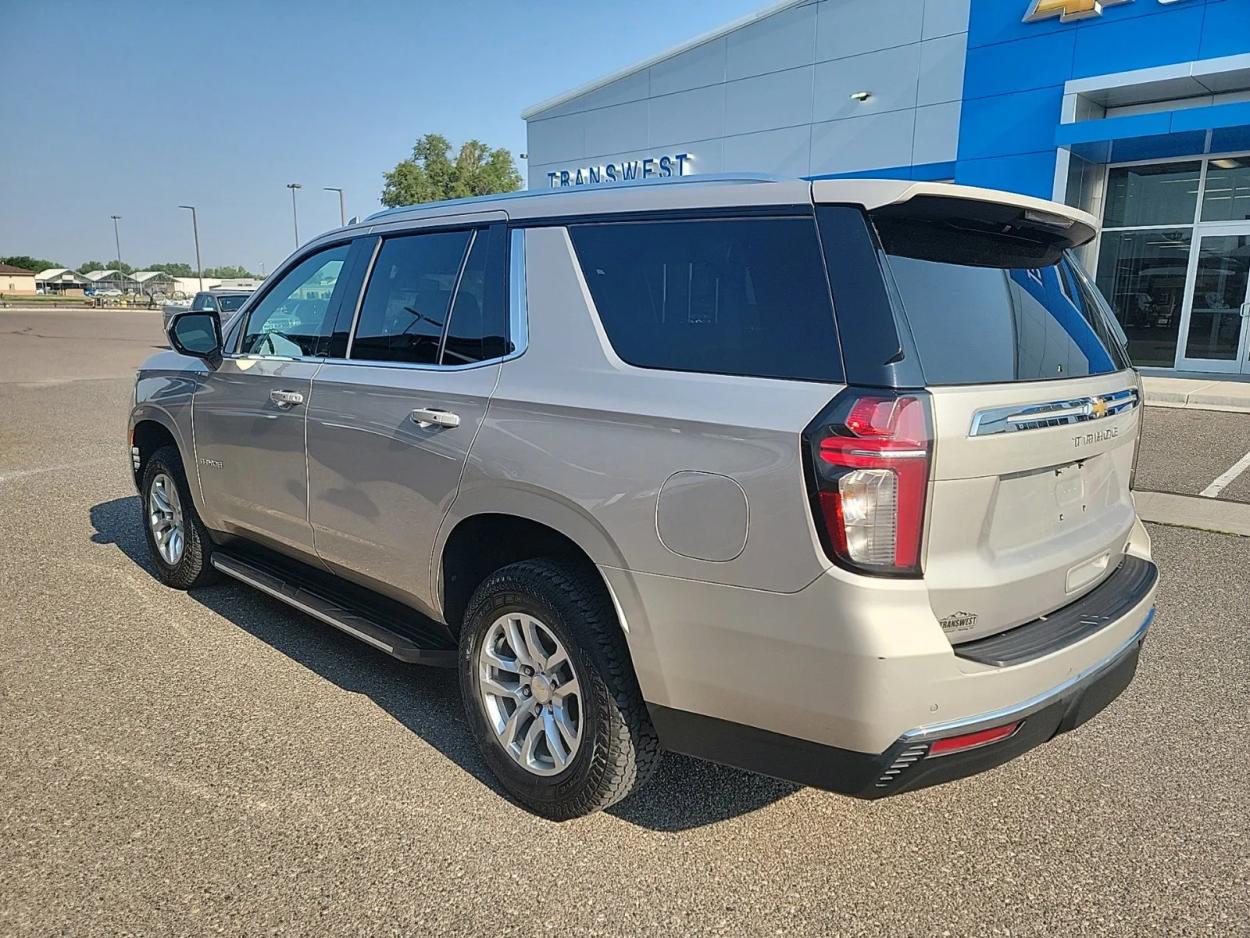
(197, 335)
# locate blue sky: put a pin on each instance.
(133, 108)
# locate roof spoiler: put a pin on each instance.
(885, 199)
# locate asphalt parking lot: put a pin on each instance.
(215, 762)
(1186, 451)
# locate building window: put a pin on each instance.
(1142, 275)
(1156, 217)
(1162, 194)
(1227, 193)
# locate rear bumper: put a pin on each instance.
(907, 764)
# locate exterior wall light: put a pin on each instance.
(861, 95)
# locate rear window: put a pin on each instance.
(980, 315)
(229, 304)
(722, 296)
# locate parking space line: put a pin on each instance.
(1225, 479)
(7, 475)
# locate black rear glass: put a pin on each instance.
(980, 315)
(230, 303)
(725, 296)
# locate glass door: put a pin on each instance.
(1217, 301)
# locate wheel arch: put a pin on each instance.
(151, 428)
(493, 529)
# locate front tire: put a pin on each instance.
(177, 539)
(550, 693)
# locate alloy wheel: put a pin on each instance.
(530, 693)
(165, 519)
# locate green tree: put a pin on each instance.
(431, 174)
(105, 265)
(173, 269)
(228, 273)
(26, 262)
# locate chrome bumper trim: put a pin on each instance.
(1033, 704)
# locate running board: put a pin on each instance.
(415, 641)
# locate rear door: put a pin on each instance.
(1035, 410)
(391, 423)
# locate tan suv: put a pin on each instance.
(825, 480)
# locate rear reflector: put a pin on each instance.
(944, 747)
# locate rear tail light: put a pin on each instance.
(869, 459)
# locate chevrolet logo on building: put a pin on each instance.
(1069, 10)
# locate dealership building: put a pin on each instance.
(1137, 111)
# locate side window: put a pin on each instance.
(406, 303)
(478, 330)
(733, 296)
(203, 303)
(291, 318)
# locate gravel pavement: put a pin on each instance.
(217, 763)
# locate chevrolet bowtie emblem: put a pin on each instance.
(1097, 408)
(1067, 10)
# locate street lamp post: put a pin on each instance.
(117, 240)
(195, 228)
(294, 214)
(342, 211)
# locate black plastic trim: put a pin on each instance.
(1110, 601)
(905, 765)
(876, 346)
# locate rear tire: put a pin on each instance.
(564, 618)
(177, 540)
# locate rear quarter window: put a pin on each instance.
(721, 296)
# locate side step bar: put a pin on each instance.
(413, 641)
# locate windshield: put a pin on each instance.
(981, 316)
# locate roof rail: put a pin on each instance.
(701, 179)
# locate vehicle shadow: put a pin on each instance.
(685, 793)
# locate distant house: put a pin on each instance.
(61, 280)
(110, 280)
(149, 282)
(16, 281)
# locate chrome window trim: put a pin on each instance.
(411, 366)
(1015, 418)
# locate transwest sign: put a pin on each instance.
(1068, 10)
(649, 167)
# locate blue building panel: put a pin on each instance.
(1023, 122)
(1226, 29)
(994, 21)
(1172, 34)
(1022, 65)
(1026, 173)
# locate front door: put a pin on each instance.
(390, 426)
(1217, 301)
(249, 414)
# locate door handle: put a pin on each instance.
(433, 417)
(1245, 310)
(286, 398)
